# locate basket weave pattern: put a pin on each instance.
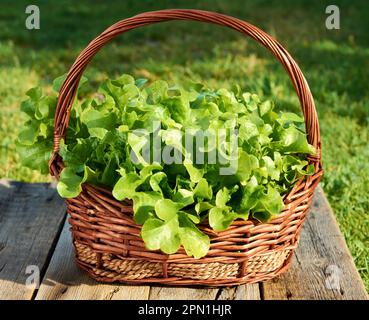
(106, 238)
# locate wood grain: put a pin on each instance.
(181, 293)
(243, 292)
(323, 267)
(64, 280)
(31, 217)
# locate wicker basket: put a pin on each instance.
(106, 238)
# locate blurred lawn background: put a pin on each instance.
(335, 63)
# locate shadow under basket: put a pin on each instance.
(106, 238)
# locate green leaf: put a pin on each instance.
(140, 82)
(144, 205)
(124, 80)
(287, 117)
(195, 174)
(265, 107)
(250, 195)
(129, 92)
(294, 141)
(79, 153)
(167, 209)
(158, 234)
(173, 137)
(222, 197)
(137, 142)
(246, 164)
(248, 129)
(203, 190)
(129, 118)
(251, 100)
(193, 216)
(36, 156)
(157, 91)
(184, 197)
(42, 108)
(272, 170)
(28, 107)
(195, 242)
(98, 122)
(220, 218)
(203, 206)
(70, 183)
(147, 171)
(34, 93)
(28, 136)
(57, 83)
(269, 205)
(126, 186)
(159, 183)
(179, 108)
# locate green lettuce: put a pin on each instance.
(119, 139)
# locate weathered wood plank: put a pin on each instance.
(64, 280)
(323, 267)
(242, 292)
(182, 293)
(31, 216)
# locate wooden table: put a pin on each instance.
(34, 235)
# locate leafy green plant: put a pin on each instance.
(109, 133)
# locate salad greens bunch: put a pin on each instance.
(109, 131)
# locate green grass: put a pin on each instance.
(335, 64)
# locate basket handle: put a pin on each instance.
(68, 89)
